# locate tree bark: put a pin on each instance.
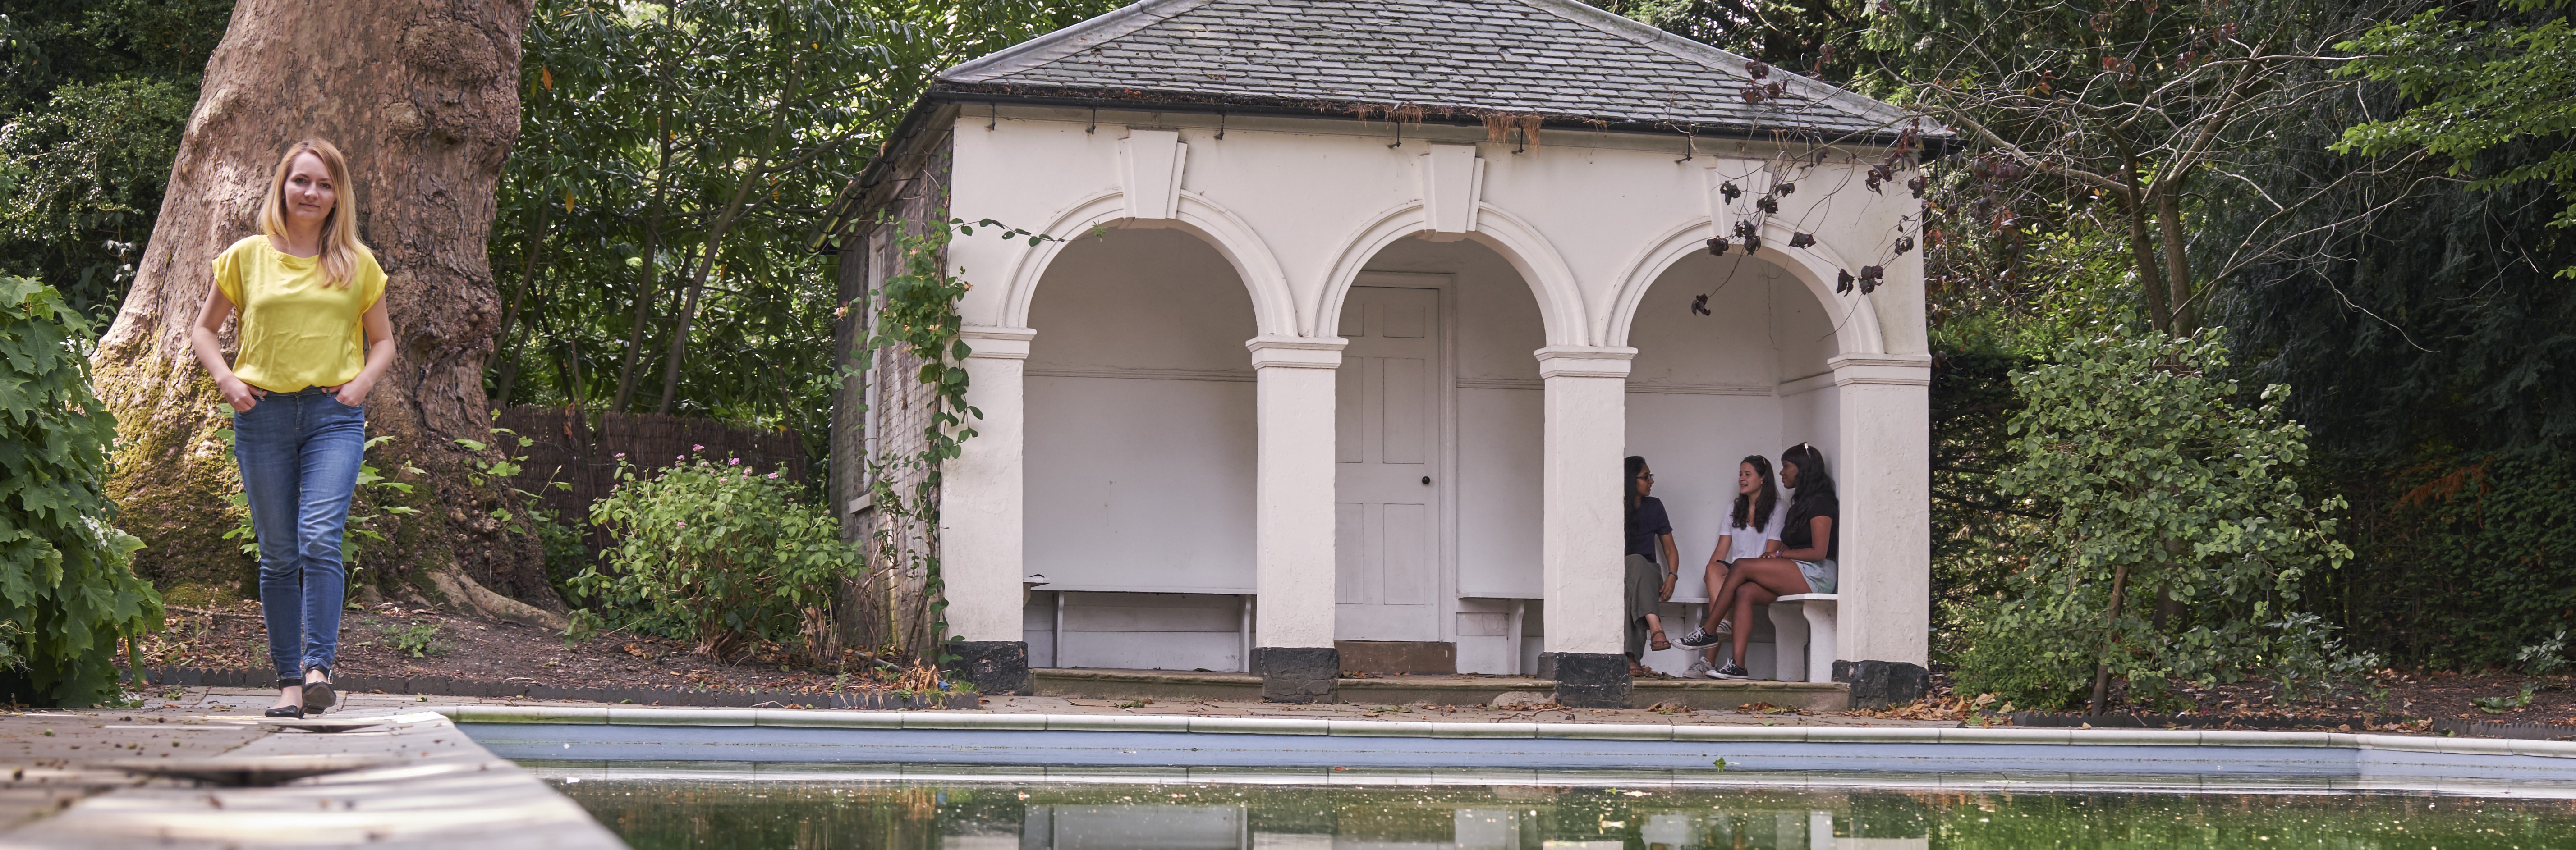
(423, 97)
(2186, 310)
(2142, 252)
(2111, 626)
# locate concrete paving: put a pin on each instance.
(425, 784)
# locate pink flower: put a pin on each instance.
(734, 462)
(773, 475)
(683, 524)
(621, 454)
(697, 448)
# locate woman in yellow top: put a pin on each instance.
(313, 338)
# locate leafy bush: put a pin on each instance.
(418, 641)
(2465, 559)
(2176, 538)
(716, 554)
(68, 592)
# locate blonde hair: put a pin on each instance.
(341, 249)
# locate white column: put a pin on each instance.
(980, 493)
(1884, 479)
(1293, 498)
(1582, 538)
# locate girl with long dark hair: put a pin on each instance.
(1804, 562)
(1650, 564)
(1751, 530)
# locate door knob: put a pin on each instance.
(1426, 479)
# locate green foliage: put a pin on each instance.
(96, 93)
(2480, 85)
(418, 641)
(919, 316)
(673, 161)
(718, 555)
(2176, 539)
(2467, 562)
(2543, 658)
(68, 592)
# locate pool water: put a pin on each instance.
(662, 812)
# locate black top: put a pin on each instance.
(1800, 533)
(1644, 525)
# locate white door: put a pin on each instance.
(1387, 547)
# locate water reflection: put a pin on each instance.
(671, 813)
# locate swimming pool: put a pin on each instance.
(652, 810)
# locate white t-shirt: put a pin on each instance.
(1747, 542)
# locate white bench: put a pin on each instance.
(1055, 654)
(1808, 621)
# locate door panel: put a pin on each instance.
(1350, 540)
(1407, 419)
(1387, 428)
(1407, 554)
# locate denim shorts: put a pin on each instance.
(1820, 575)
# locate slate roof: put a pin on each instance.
(1560, 59)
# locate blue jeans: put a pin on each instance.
(299, 455)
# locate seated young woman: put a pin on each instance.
(1650, 564)
(1751, 530)
(1803, 564)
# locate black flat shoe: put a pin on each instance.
(318, 697)
(292, 711)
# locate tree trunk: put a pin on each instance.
(2142, 251)
(423, 97)
(2111, 624)
(2186, 310)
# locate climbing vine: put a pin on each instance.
(919, 316)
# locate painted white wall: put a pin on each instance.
(1140, 469)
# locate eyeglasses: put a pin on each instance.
(1646, 477)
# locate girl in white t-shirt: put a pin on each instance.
(1743, 535)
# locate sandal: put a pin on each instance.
(1659, 641)
(318, 696)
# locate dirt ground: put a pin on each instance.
(2387, 697)
(393, 640)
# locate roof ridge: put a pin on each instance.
(1854, 103)
(1109, 26)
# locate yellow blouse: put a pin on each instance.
(296, 330)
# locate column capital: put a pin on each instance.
(1296, 352)
(1910, 370)
(998, 343)
(1584, 361)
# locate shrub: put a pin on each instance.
(68, 592)
(2176, 535)
(715, 554)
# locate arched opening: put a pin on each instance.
(1140, 455)
(1748, 377)
(1439, 454)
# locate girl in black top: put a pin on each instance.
(1805, 563)
(1650, 563)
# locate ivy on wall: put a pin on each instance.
(919, 316)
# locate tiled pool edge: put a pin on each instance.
(1684, 732)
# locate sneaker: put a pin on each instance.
(1697, 639)
(1732, 670)
(1725, 627)
(1699, 667)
